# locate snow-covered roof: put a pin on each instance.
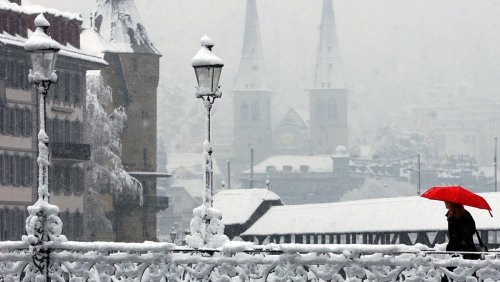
(316, 163)
(238, 205)
(118, 22)
(93, 43)
(66, 51)
(37, 9)
(385, 214)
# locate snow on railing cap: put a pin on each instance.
(205, 57)
(39, 40)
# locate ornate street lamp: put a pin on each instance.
(206, 224)
(43, 224)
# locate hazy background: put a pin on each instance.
(394, 53)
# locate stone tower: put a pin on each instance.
(252, 98)
(133, 75)
(328, 97)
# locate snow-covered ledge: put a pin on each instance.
(242, 261)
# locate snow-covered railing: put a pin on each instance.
(239, 261)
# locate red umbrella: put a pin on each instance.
(458, 195)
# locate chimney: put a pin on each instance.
(18, 2)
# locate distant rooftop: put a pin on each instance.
(238, 205)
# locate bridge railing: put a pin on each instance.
(241, 261)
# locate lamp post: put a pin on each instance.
(206, 224)
(43, 224)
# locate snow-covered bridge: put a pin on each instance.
(401, 220)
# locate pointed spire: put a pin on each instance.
(118, 22)
(251, 71)
(328, 66)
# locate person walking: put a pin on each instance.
(461, 229)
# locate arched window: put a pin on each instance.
(332, 109)
(244, 111)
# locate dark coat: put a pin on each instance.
(460, 233)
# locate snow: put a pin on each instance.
(38, 39)
(93, 43)
(386, 214)
(318, 163)
(238, 205)
(66, 51)
(118, 22)
(37, 9)
(205, 57)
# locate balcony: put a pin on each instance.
(69, 153)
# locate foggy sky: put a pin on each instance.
(393, 52)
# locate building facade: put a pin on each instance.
(19, 120)
(133, 74)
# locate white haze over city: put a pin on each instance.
(393, 52)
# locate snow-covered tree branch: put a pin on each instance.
(105, 169)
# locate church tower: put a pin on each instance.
(252, 98)
(328, 97)
(133, 74)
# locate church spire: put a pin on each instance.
(328, 67)
(251, 71)
(118, 22)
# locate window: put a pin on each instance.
(320, 110)
(18, 121)
(3, 116)
(28, 123)
(19, 160)
(57, 92)
(255, 111)
(244, 112)
(67, 180)
(67, 131)
(8, 169)
(332, 109)
(67, 89)
(2, 169)
(78, 90)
